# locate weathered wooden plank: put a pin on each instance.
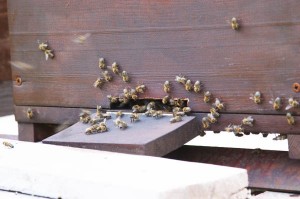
(271, 170)
(294, 146)
(6, 98)
(35, 132)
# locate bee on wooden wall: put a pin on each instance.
(167, 87)
(29, 113)
(134, 94)
(205, 123)
(49, 54)
(256, 97)
(140, 88)
(234, 24)
(175, 119)
(290, 119)
(229, 128)
(197, 87)
(207, 97)
(115, 68)
(125, 76)
(218, 105)
(43, 46)
(188, 85)
(165, 99)
(134, 117)
(8, 144)
(276, 103)
(112, 99)
(180, 79)
(102, 63)
(107, 76)
(238, 130)
(248, 121)
(123, 99)
(138, 109)
(214, 112)
(211, 118)
(99, 82)
(292, 103)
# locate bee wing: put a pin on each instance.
(46, 56)
(288, 107)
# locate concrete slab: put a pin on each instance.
(53, 171)
(276, 195)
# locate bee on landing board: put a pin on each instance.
(99, 82)
(120, 123)
(248, 121)
(134, 117)
(138, 109)
(175, 119)
(280, 137)
(186, 109)
(140, 88)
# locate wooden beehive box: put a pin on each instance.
(154, 41)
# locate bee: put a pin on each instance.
(138, 109)
(197, 87)
(150, 112)
(256, 97)
(134, 117)
(292, 103)
(172, 102)
(175, 119)
(123, 99)
(102, 63)
(229, 128)
(43, 46)
(205, 122)
(276, 103)
(127, 92)
(218, 105)
(99, 83)
(248, 121)
(207, 97)
(92, 129)
(120, 123)
(85, 116)
(181, 79)
(150, 105)
(186, 109)
(167, 87)
(8, 144)
(49, 53)
(280, 137)
(107, 76)
(178, 102)
(29, 113)
(140, 88)
(96, 120)
(102, 127)
(106, 115)
(81, 38)
(115, 68)
(112, 99)
(214, 112)
(157, 114)
(211, 118)
(238, 130)
(234, 24)
(290, 119)
(119, 114)
(165, 99)
(98, 110)
(125, 76)
(133, 94)
(188, 85)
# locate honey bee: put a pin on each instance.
(188, 85)
(125, 76)
(157, 114)
(181, 79)
(207, 97)
(134, 117)
(112, 99)
(165, 99)
(218, 105)
(138, 109)
(229, 128)
(276, 103)
(115, 68)
(292, 103)
(150, 113)
(102, 63)
(96, 120)
(29, 113)
(107, 76)
(150, 105)
(99, 83)
(238, 130)
(167, 87)
(211, 118)
(92, 129)
(119, 114)
(98, 110)
(49, 53)
(8, 144)
(133, 94)
(214, 112)
(205, 123)
(120, 123)
(178, 102)
(43, 46)
(197, 87)
(256, 97)
(85, 116)
(175, 119)
(290, 119)
(234, 24)
(186, 109)
(123, 99)
(102, 127)
(127, 92)
(248, 121)
(280, 137)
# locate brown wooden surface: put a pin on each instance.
(294, 146)
(271, 170)
(154, 41)
(262, 123)
(35, 132)
(6, 98)
(149, 136)
(5, 70)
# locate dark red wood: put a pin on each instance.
(271, 170)
(35, 132)
(294, 146)
(6, 98)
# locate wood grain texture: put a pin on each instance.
(66, 116)
(154, 41)
(6, 98)
(294, 146)
(35, 132)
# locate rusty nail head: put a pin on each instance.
(296, 87)
(18, 81)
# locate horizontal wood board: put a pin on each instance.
(154, 41)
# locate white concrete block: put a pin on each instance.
(54, 171)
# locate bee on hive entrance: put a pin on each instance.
(276, 103)
(167, 87)
(138, 109)
(292, 103)
(165, 99)
(85, 116)
(256, 97)
(214, 112)
(49, 53)
(180, 79)
(102, 63)
(197, 87)
(290, 119)
(107, 76)
(175, 119)
(115, 68)
(125, 76)
(238, 130)
(207, 97)
(248, 121)
(119, 114)
(112, 99)
(99, 82)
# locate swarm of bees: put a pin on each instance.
(43, 46)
